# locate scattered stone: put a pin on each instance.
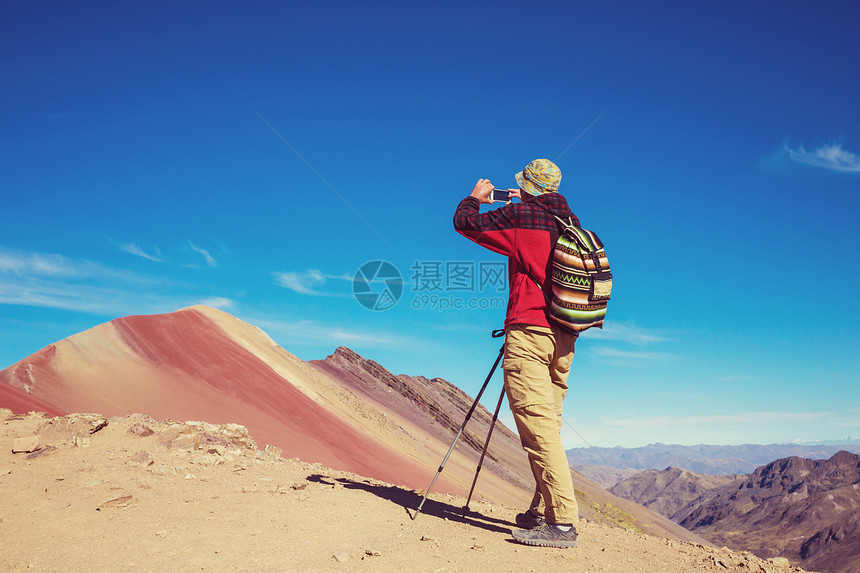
(141, 430)
(117, 502)
(26, 445)
(216, 449)
(372, 553)
(43, 451)
(68, 427)
(142, 459)
(342, 557)
(185, 442)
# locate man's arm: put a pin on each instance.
(495, 230)
(482, 191)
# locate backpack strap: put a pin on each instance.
(564, 225)
(584, 239)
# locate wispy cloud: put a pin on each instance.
(102, 299)
(54, 281)
(219, 302)
(746, 418)
(625, 332)
(135, 249)
(307, 332)
(210, 260)
(31, 264)
(736, 378)
(831, 156)
(608, 352)
(20, 263)
(308, 282)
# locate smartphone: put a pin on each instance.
(501, 195)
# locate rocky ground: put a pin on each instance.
(136, 494)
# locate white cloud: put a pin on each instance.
(29, 264)
(54, 281)
(135, 249)
(210, 260)
(625, 332)
(309, 332)
(219, 302)
(831, 157)
(608, 352)
(19, 263)
(308, 282)
(736, 378)
(714, 420)
(102, 299)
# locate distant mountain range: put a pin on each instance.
(345, 411)
(671, 491)
(703, 459)
(805, 510)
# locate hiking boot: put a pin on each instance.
(527, 520)
(547, 536)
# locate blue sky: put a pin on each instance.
(254, 157)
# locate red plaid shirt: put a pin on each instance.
(526, 234)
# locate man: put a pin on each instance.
(538, 353)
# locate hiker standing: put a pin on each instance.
(538, 353)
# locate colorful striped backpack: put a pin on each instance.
(581, 279)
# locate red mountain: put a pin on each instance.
(198, 363)
(345, 412)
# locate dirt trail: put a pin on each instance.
(199, 497)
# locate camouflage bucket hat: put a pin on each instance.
(540, 176)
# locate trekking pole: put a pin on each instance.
(496, 334)
(484, 453)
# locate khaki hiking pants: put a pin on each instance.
(536, 364)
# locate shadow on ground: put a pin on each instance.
(409, 501)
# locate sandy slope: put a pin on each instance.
(344, 412)
(185, 365)
(199, 497)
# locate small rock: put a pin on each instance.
(42, 452)
(185, 442)
(478, 547)
(342, 557)
(141, 430)
(216, 449)
(299, 485)
(142, 459)
(781, 561)
(273, 450)
(26, 444)
(372, 553)
(122, 501)
(82, 442)
(426, 538)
